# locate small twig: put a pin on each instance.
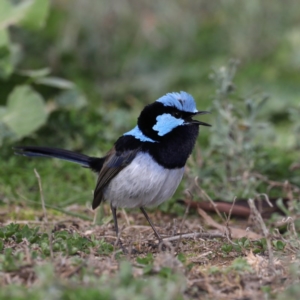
(202, 255)
(42, 195)
(44, 211)
(110, 237)
(165, 244)
(125, 216)
(276, 183)
(184, 218)
(214, 224)
(292, 229)
(146, 227)
(28, 222)
(95, 216)
(288, 246)
(209, 199)
(228, 231)
(73, 271)
(266, 198)
(27, 254)
(284, 221)
(7, 277)
(69, 213)
(50, 244)
(230, 212)
(289, 221)
(194, 236)
(265, 232)
(234, 232)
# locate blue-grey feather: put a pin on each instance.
(137, 133)
(182, 101)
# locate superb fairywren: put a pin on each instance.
(146, 164)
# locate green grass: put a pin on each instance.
(122, 57)
(68, 263)
(123, 285)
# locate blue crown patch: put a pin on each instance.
(182, 101)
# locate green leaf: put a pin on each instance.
(31, 14)
(36, 15)
(279, 245)
(214, 270)
(9, 263)
(240, 264)
(147, 269)
(104, 248)
(264, 243)
(55, 82)
(12, 14)
(181, 257)
(280, 204)
(6, 65)
(5, 132)
(62, 234)
(35, 73)
(145, 260)
(226, 248)
(70, 99)
(165, 272)
(11, 229)
(18, 237)
(25, 111)
(125, 273)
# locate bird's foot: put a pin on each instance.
(127, 251)
(161, 245)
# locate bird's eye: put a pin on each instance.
(176, 114)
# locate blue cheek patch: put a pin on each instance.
(137, 133)
(165, 123)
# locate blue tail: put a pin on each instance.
(86, 161)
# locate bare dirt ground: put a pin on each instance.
(205, 261)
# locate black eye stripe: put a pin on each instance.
(148, 117)
(177, 114)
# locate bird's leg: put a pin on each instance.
(114, 213)
(151, 224)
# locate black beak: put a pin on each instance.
(191, 121)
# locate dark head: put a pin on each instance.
(166, 129)
(165, 115)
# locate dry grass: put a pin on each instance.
(207, 270)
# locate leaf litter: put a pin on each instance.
(211, 262)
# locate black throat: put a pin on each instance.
(175, 148)
(171, 152)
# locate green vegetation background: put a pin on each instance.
(75, 74)
(96, 64)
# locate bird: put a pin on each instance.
(146, 164)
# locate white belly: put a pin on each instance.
(143, 183)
